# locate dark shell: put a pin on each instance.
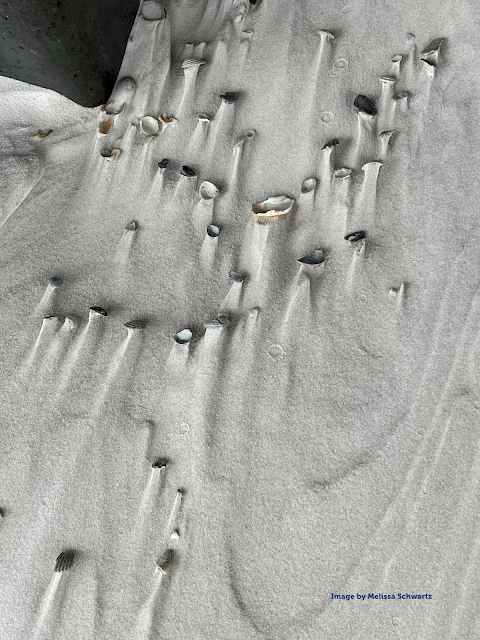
(229, 97)
(331, 143)
(2, 515)
(55, 281)
(132, 226)
(183, 336)
(316, 257)
(213, 231)
(235, 275)
(186, 171)
(163, 164)
(99, 311)
(64, 561)
(355, 236)
(365, 105)
(164, 562)
(134, 324)
(159, 463)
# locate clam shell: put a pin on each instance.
(55, 281)
(363, 104)
(432, 51)
(213, 231)
(110, 155)
(341, 173)
(183, 336)
(202, 117)
(165, 561)
(166, 119)
(187, 172)
(132, 226)
(309, 185)
(331, 143)
(149, 125)
(175, 535)
(208, 191)
(163, 164)
(104, 127)
(236, 276)
(239, 142)
(71, 322)
(192, 62)
(160, 463)
(251, 133)
(152, 10)
(355, 236)
(229, 97)
(219, 322)
(43, 133)
(313, 259)
(274, 206)
(134, 324)
(120, 94)
(397, 58)
(99, 311)
(64, 561)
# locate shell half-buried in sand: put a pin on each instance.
(164, 563)
(273, 207)
(64, 561)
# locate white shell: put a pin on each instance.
(152, 10)
(208, 191)
(183, 336)
(192, 62)
(202, 117)
(344, 172)
(149, 125)
(239, 142)
(308, 185)
(274, 206)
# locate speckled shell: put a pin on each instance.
(208, 191)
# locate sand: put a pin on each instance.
(322, 441)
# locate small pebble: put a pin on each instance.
(55, 281)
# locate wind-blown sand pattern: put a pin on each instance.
(236, 405)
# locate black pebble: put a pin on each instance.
(364, 104)
(99, 310)
(229, 97)
(186, 171)
(235, 275)
(163, 164)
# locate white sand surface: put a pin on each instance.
(323, 442)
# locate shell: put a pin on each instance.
(111, 155)
(159, 463)
(313, 259)
(187, 172)
(213, 231)
(64, 561)
(236, 276)
(208, 191)
(2, 515)
(55, 281)
(71, 322)
(388, 79)
(247, 33)
(331, 143)
(43, 133)
(274, 206)
(120, 95)
(397, 58)
(221, 321)
(202, 117)
(165, 561)
(134, 324)
(99, 311)
(132, 226)
(343, 172)
(239, 142)
(251, 133)
(149, 125)
(183, 336)
(309, 185)
(192, 62)
(104, 127)
(163, 164)
(229, 97)
(152, 10)
(363, 104)
(166, 119)
(175, 535)
(355, 236)
(432, 51)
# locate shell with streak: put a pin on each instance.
(274, 206)
(183, 336)
(64, 561)
(313, 259)
(152, 10)
(208, 191)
